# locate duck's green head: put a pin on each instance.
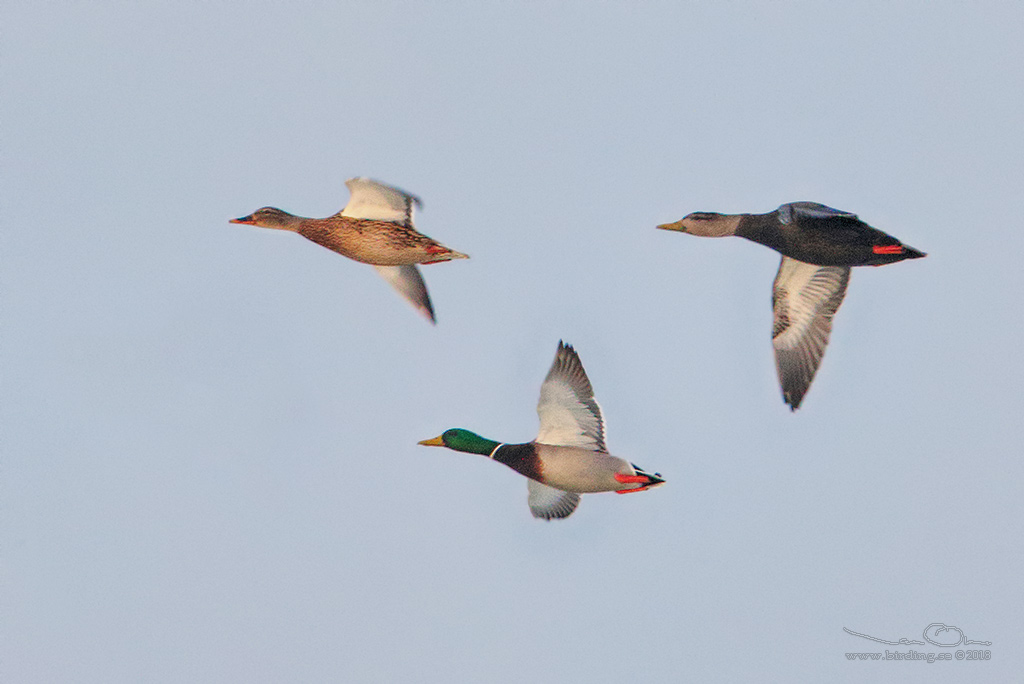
(462, 440)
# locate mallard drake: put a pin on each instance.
(568, 457)
(819, 245)
(376, 228)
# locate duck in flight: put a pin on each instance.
(568, 457)
(819, 245)
(376, 228)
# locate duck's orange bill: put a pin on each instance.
(247, 220)
(887, 249)
(436, 441)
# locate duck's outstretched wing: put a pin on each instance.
(805, 297)
(409, 283)
(796, 211)
(569, 414)
(378, 201)
(550, 503)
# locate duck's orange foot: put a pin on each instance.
(437, 249)
(633, 479)
(887, 249)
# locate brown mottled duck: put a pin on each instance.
(376, 228)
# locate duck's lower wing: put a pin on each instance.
(550, 503)
(409, 283)
(805, 297)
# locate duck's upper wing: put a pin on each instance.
(377, 201)
(409, 283)
(549, 503)
(569, 414)
(796, 211)
(805, 297)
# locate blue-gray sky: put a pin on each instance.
(210, 468)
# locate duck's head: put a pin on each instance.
(268, 217)
(462, 440)
(705, 224)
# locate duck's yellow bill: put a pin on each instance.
(436, 441)
(670, 226)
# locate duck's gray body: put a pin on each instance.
(571, 469)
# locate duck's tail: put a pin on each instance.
(890, 254)
(644, 479)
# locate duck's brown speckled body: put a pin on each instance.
(381, 243)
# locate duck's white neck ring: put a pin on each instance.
(491, 455)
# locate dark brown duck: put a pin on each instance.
(819, 246)
(805, 231)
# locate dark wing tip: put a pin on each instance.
(428, 310)
(796, 376)
(569, 363)
(793, 399)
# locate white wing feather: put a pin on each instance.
(377, 201)
(569, 414)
